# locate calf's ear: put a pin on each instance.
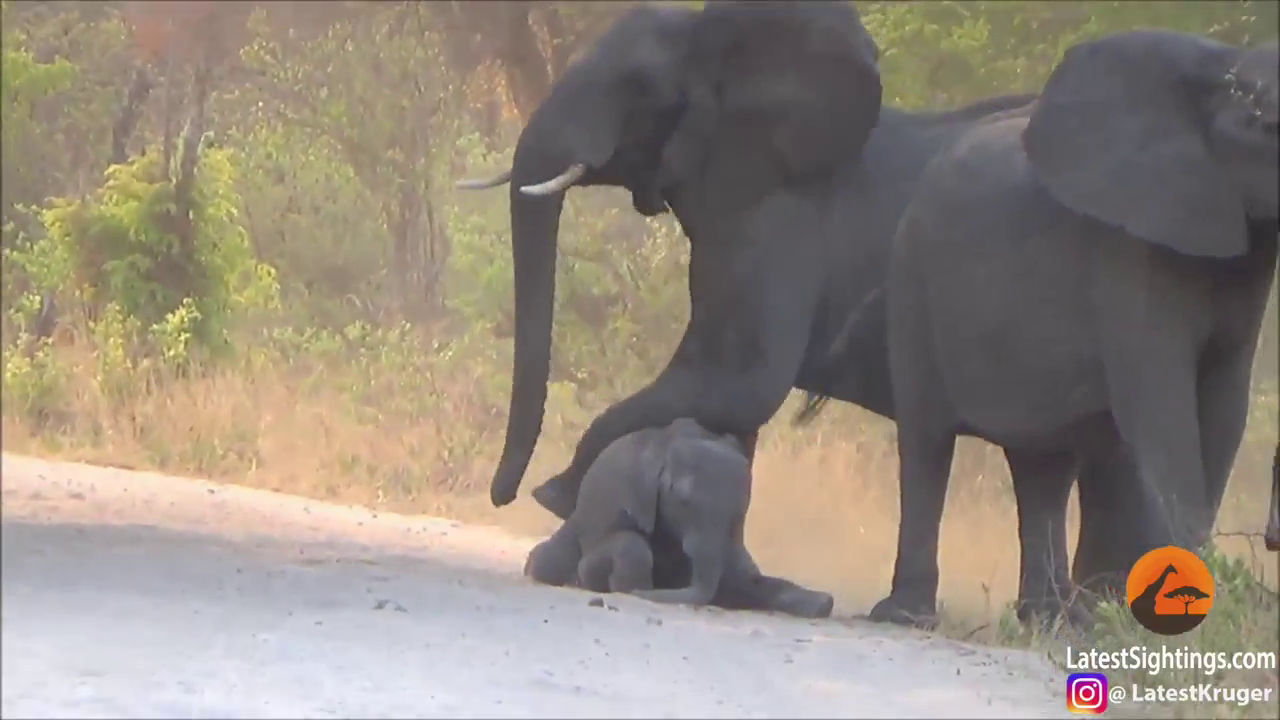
(642, 493)
(1119, 134)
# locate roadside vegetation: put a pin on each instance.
(232, 249)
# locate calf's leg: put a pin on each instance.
(744, 587)
(554, 561)
(621, 564)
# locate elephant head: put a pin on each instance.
(1169, 136)
(740, 98)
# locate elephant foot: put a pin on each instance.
(1045, 613)
(557, 496)
(746, 588)
(648, 202)
(1102, 585)
(808, 604)
(909, 613)
(1101, 566)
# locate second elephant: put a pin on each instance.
(1084, 274)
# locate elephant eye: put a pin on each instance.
(646, 88)
(1259, 102)
(1253, 121)
(1263, 112)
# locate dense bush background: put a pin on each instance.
(232, 248)
(320, 218)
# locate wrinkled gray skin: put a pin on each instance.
(1094, 266)
(789, 204)
(661, 516)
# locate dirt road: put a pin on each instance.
(139, 595)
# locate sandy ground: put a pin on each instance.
(139, 595)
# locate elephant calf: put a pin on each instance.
(660, 515)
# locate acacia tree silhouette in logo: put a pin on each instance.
(1186, 595)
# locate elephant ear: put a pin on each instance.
(796, 82)
(641, 494)
(1119, 134)
(708, 476)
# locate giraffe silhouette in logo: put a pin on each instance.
(1143, 607)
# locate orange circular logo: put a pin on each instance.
(1170, 591)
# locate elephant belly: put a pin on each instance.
(1035, 400)
(1022, 371)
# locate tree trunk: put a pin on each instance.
(560, 43)
(524, 66)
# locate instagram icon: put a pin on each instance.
(1087, 693)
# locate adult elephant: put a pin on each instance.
(745, 119)
(1091, 267)
(753, 123)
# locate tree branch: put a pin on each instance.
(127, 122)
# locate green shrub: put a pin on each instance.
(124, 248)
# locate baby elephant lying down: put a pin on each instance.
(660, 515)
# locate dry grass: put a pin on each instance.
(825, 511)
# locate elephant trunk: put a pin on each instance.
(1273, 523)
(535, 224)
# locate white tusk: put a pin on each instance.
(501, 178)
(557, 183)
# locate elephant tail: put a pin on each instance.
(834, 360)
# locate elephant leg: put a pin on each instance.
(622, 564)
(744, 587)
(1117, 514)
(1121, 516)
(1154, 404)
(926, 444)
(1149, 335)
(1042, 486)
(1223, 395)
(749, 446)
(554, 561)
(741, 352)
(925, 469)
